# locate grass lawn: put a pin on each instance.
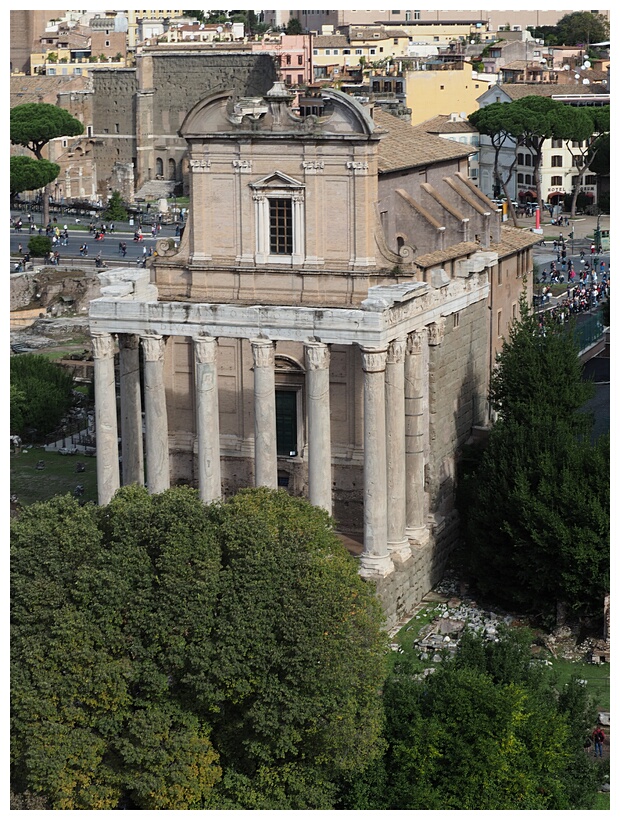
(596, 675)
(602, 802)
(59, 476)
(408, 633)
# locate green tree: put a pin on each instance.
(172, 655)
(536, 507)
(41, 394)
(583, 131)
(33, 125)
(582, 28)
(492, 121)
(294, 26)
(485, 731)
(39, 245)
(28, 174)
(115, 210)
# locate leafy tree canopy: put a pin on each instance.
(42, 393)
(33, 125)
(536, 507)
(28, 174)
(538, 374)
(485, 731)
(582, 28)
(172, 655)
(116, 210)
(39, 245)
(294, 26)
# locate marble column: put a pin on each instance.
(375, 560)
(156, 417)
(106, 425)
(131, 409)
(265, 442)
(415, 398)
(398, 543)
(319, 428)
(207, 419)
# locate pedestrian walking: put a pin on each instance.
(19, 249)
(598, 736)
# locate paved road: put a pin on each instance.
(108, 247)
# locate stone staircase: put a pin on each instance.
(157, 189)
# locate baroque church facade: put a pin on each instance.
(326, 324)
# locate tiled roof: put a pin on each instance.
(442, 124)
(517, 91)
(408, 147)
(44, 88)
(330, 41)
(371, 34)
(513, 239)
(459, 251)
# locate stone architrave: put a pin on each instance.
(416, 394)
(207, 419)
(106, 424)
(398, 543)
(375, 560)
(319, 428)
(156, 417)
(265, 442)
(131, 409)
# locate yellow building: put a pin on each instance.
(335, 53)
(451, 87)
(134, 15)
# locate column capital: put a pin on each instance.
(205, 348)
(153, 346)
(436, 331)
(103, 345)
(263, 351)
(373, 359)
(317, 356)
(396, 351)
(415, 340)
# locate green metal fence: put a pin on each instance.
(588, 331)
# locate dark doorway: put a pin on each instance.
(286, 422)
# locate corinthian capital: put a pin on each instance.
(396, 351)
(103, 345)
(263, 351)
(317, 356)
(436, 332)
(373, 359)
(153, 347)
(205, 348)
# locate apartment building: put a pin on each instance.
(561, 161)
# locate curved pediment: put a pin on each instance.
(223, 112)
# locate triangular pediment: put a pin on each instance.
(277, 179)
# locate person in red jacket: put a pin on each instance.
(598, 736)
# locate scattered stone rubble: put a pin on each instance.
(456, 611)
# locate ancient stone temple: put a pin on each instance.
(310, 331)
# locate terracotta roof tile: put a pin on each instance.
(408, 147)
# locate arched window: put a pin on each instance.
(159, 167)
(172, 169)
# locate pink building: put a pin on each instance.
(294, 53)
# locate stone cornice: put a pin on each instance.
(379, 322)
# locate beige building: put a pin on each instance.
(480, 20)
(323, 327)
(451, 87)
